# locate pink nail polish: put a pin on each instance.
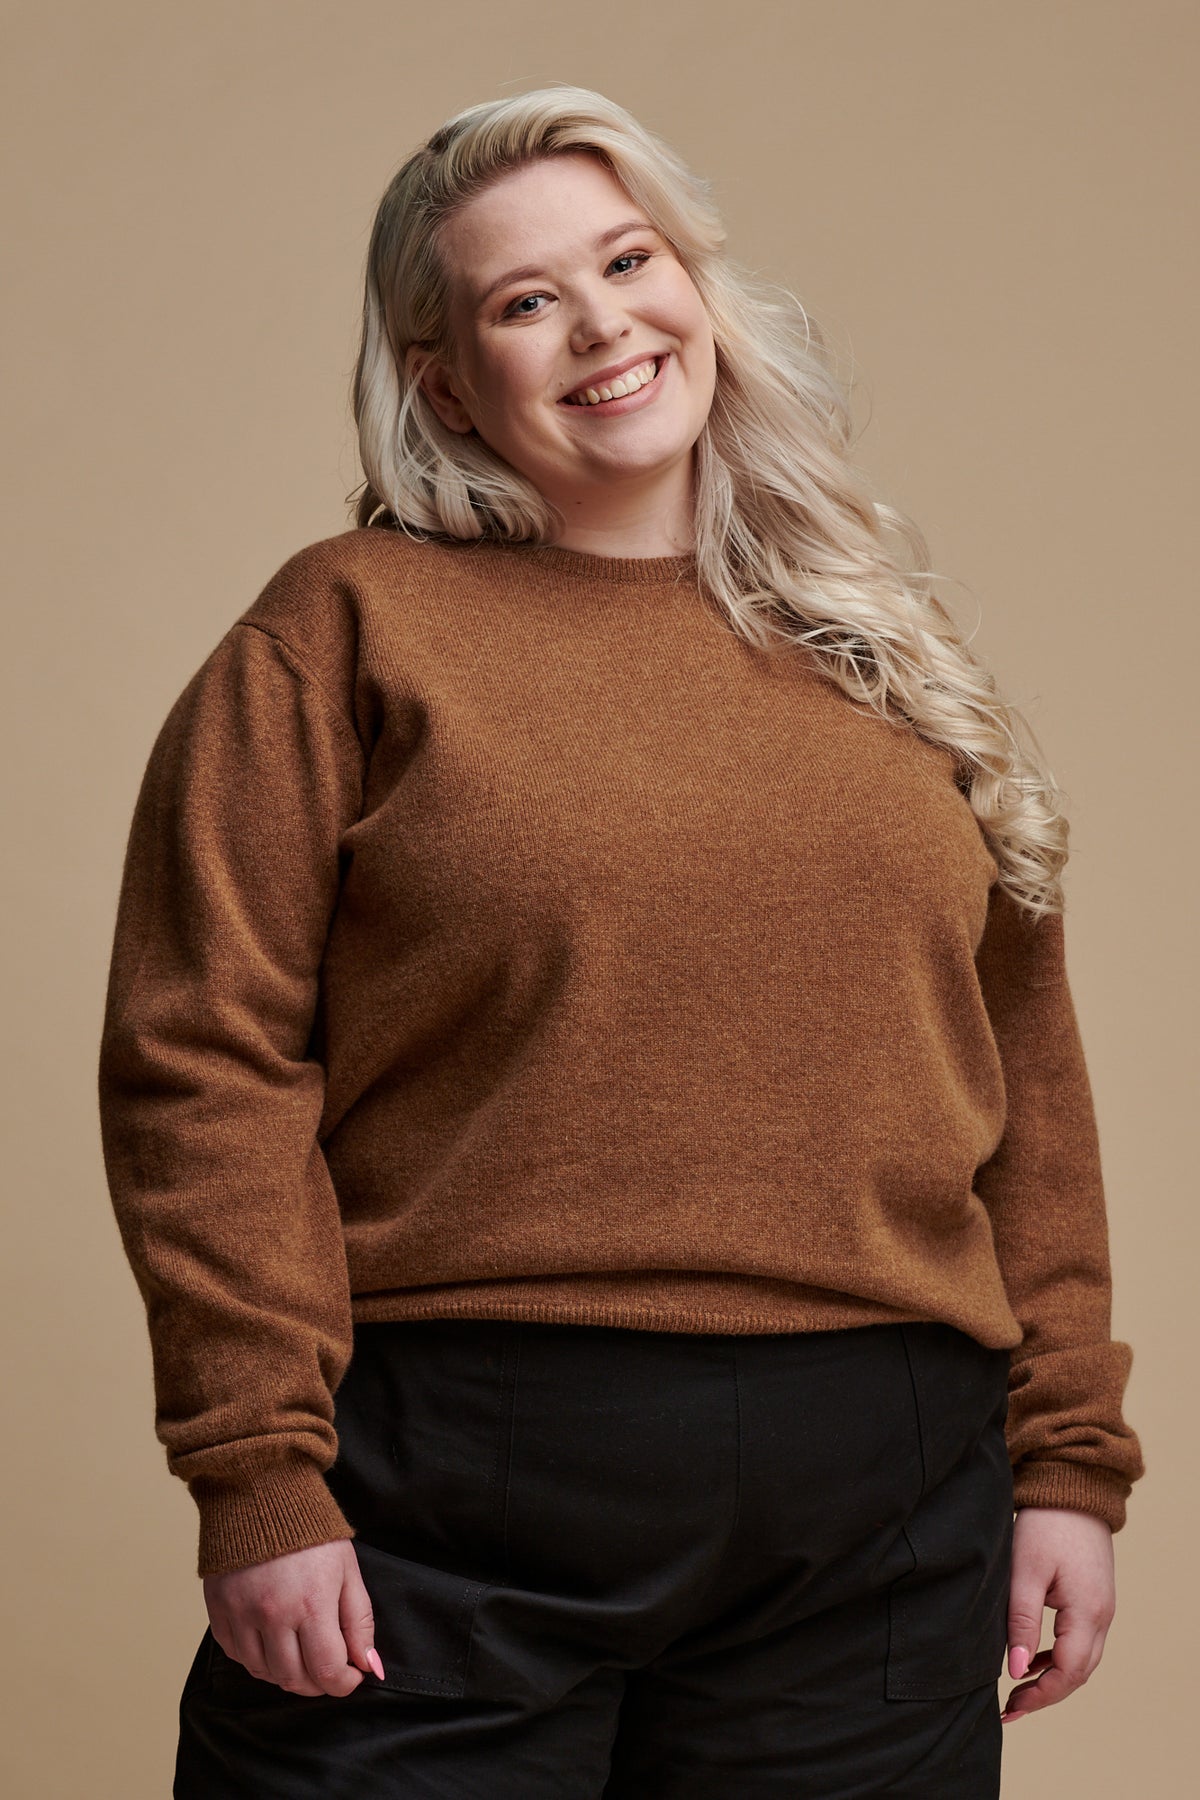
(373, 1659)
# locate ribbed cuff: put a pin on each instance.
(1080, 1486)
(263, 1514)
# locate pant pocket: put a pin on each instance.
(423, 1422)
(948, 1613)
(424, 1624)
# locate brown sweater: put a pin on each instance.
(502, 936)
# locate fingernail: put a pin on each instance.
(373, 1659)
(1011, 1718)
(1018, 1662)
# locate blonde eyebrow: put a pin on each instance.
(532, 271)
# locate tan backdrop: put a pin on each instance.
(989, 209)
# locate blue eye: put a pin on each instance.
(637, 257)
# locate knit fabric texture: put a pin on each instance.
(501, 935)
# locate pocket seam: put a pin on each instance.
(412, 1678)
(919, 1415)
(411, 1681)
(506, 1425)
(962, 1675)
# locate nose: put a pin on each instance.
(598, 321)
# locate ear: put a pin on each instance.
(435, 384)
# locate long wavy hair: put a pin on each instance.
(789, 539)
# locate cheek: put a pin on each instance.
(695, 330)
(521, 385)
(495, 373)
(700, 324)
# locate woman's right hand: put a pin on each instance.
(302, 1620)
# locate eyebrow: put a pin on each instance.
(531, 271)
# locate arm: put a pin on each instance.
(210, 1103)
(1068, 1442)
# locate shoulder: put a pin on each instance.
(318, 602)
(349, 566)
(329, 607)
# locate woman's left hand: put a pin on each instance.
(1064, 1560)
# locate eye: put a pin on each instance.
(510, 312)
(637, 257)
(640, 256)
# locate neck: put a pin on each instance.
(609, 523)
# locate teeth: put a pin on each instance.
(629, 383)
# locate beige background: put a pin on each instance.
(990, 209)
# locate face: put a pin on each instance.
(557, 276)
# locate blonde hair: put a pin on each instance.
(788, 538)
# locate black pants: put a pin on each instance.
(609, 1564)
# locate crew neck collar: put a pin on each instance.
(559, 560)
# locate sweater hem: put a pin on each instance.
(783, 1316)
(253, 1517)
(1073, 1486)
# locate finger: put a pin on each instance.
(286, 1662)
(249, 1649)
(357, 1621)
(326, 1660)
(1014, 1709)
(221, 1626)
(1026, 1605)
(1071, 1662)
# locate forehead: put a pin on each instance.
(553, 210)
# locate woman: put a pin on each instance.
(590, 1089)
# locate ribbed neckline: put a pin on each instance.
(585, 563)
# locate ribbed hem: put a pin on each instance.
(265, 1514)
(1074, 1485)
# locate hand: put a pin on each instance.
(1061, 1559)
(301, 1620)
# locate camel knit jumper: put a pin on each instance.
(502, 936)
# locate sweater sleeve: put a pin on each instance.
(210, 1100)
(1068, 1442)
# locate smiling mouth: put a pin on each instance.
(603, 390)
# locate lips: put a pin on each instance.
(604, 377)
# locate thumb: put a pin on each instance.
(357, 1621)
(1025, 1603)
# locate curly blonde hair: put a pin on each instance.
(789, 539)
